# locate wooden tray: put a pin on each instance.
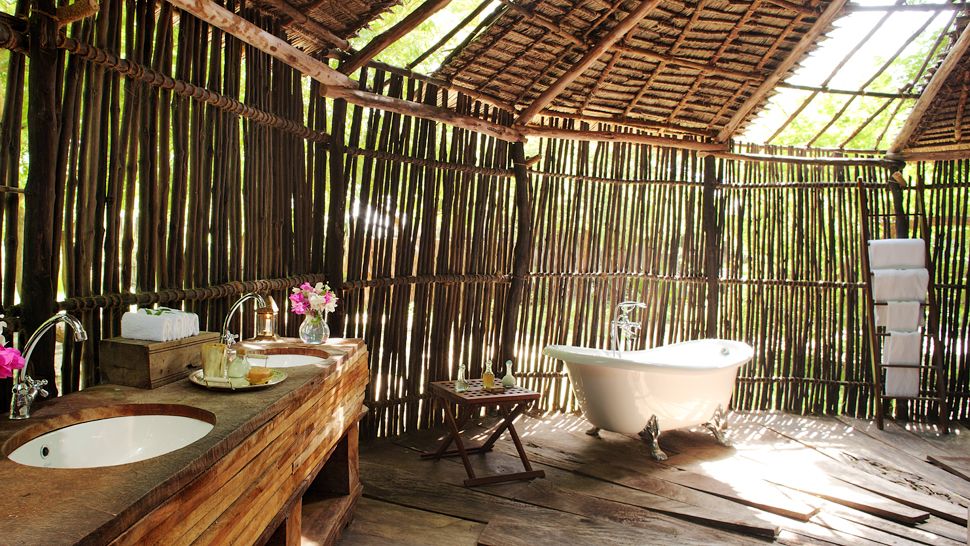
(196, 377)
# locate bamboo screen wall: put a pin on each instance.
(198, 168)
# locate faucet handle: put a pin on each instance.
(37, 385)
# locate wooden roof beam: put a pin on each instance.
(391, 35)
(929, 93)
(800, 50)
(544, 22)
(875, 94)
(335, 84)
(791, 6)
(614, 35)
(908, 7)
(299, 19)
(616, 136)
(672, 61)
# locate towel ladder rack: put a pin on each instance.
(931, 329)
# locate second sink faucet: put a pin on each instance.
(622, 328)
(25, 388)
(227, 337)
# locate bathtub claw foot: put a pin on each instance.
(595, 431)
(651, 436)
(716, 426)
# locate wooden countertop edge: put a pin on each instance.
(85, 404)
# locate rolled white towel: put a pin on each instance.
(897, 254)
(902, 382)
(902, 349)
(900, 316)
(900, 284)
(159, 325)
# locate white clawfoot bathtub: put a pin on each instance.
(675, 386)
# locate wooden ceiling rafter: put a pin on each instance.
(383, 40)
(543, 21)
(450, 34)
(952, 59)
(901, 94)
(616, 33)
(835, 71)
(879, 71)
(308, 27)
(961, 106)
(618, 136)
(728, 40)
(805, 43)
(334, 83)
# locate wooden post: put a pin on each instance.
(42, 135)
(522, 254)
(712, 246)
(333, 265)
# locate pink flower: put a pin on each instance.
(299, 307)
(328, 298)
(306, 286)
(10, 360)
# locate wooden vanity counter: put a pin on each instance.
(279, 462)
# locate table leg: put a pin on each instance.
(509, 417)
(506, 421)
(456, 434)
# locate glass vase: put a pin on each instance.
(314, 329)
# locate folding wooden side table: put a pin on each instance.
(511, 403)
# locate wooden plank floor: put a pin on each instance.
(786, 479)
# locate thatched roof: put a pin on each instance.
(308, 22)
(689, 65)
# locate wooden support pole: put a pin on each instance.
(614, 35)
(613, 136)
(712, 261)
(805, 44)
(391, 35)
(334, 248)
(672, 61)
(521, 254)
(929, 93)
(42, 137)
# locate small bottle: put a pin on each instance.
(509, 380)
(488, 378)
(461, 384)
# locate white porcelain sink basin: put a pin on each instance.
(291, 360)
(112, 441)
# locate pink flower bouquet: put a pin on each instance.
(313, 300)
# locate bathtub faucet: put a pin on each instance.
(622, 328)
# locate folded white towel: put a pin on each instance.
(897, 254)
(159, 324)
(902, 349)
(900, 316)
(902, 382)
(900, 284)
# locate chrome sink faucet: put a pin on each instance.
(228, 337)
(25, 388)
(622, 328)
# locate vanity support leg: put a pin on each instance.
(651, 436)
(595, 431)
